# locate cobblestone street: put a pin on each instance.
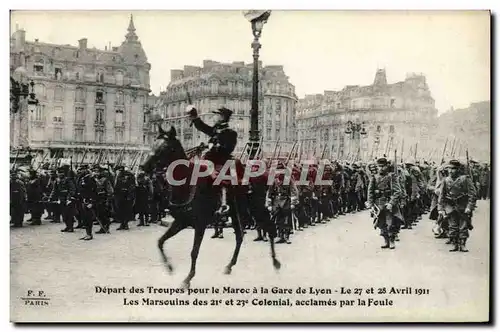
(342, 253)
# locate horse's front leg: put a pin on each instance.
(175, 228)
(199, 232)
(236, 223)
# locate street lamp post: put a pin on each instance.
(23, 100)
(355, 131)
(257, 18)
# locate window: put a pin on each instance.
(40, 90)
(80, 94)
(58, 134)
(77, 76)
(143, 138)
(79, 115)
(100, 77)
(99, 97)
(214, 86)
(99, 116)
(378, 129)
(58, 93)
(268, 133)
(39, 111)
(119, 117)
(119, 136)
(99, 136)
(119, 97)
(79, 134)
(38, 67)
(391, 129)
(58, 73)
(392, 102)
(57, 115)
(278, 104)
(119, 78)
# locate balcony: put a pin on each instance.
(119, 124)
(100, 101)
(99, 123)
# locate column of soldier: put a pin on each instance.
(397, 198)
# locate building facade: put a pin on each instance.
(218, 84)
(390, 116)
(91, 102)
(466, 129)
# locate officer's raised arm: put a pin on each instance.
(198, 123)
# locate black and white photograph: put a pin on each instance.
(262, 166)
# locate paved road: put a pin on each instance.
(343, 253)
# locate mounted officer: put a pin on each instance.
(222, 140)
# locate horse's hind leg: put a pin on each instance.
(199, 232)
(175, 228)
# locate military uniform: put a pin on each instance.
(63, 193)
(144, 195)
(456, 202)
(88, 192)
(104, 199)
(17, 200)
(35, 194)
(281, 199)
(124, 198)
(384, 192)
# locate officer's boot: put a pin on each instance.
(287, 237)
(259, 235)
(463, 248)
(141, 219)
(386, 242)
(392, 244)
(146, 219)
(282, 237)
(456, 246)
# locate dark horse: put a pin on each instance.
(196, 205)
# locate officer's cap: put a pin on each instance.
(454, 163)
(225, 112)
(382, 161)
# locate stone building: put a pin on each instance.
(466, 129)
(218, 84)
(90, 100)
(388, 113)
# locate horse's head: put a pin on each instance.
(168, 151)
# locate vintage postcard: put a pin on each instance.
(250, 166)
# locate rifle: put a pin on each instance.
(468, 217)
(444, 150)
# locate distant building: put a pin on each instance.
(391, 113)
(90, 100)
(466, 129)
(230, 85)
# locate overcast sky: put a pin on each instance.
(320, 50)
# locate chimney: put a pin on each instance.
(83, 43)
(20, 38)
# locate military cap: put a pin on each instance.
(225, 112)
(454, 163)
(382, 161)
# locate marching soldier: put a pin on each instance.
(144, 195)
(455, 203)
(124, 197)
(17, 200)
(384, 193)
(35, 193)
(104, 198)
(281, 199)
(88, 190)
(64, 193)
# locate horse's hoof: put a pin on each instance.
(276, 264)
(227, 270)
(185, 284)
(170, 268)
